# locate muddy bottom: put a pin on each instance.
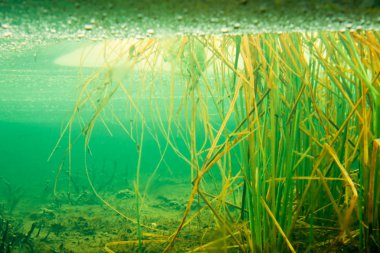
(82, 223)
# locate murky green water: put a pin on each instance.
(231, 141)
(37, 97)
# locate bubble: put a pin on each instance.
(5, 26)
(224, 30)
(214, 20)
(7, 35)
(237, 25)
(88, 27)
(349, 25)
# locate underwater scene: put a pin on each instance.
(252, 142)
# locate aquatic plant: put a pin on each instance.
(13, 195)
(287, 123)
(12, 240)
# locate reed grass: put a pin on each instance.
(289, 122)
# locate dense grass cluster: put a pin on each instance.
(290, 123)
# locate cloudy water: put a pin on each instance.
(235, 143)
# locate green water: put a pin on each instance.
(37, 97)
(112, 148)
(47, 196)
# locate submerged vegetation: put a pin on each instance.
(281, 134)
(12, 240)
(11, 195)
